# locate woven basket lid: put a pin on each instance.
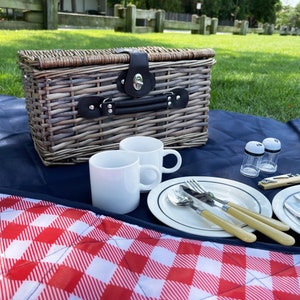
(48, 59)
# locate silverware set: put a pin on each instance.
(177, 198)
(192, 195)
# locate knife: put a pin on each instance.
(271, 232)
(279, 181)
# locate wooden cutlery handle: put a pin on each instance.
(282, 182)
(273, 233)
(270, 221)
(229, 227)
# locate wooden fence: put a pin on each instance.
(38, 14)
(136, 20)
(44, 14)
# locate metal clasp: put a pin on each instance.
(138, 81)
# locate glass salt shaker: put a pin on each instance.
(269, 160)
(254, 152)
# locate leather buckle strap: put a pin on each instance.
(137, 81)
(94, 107)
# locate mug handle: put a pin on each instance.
(178, 164)
(156, 181)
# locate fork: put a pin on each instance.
(270, 221)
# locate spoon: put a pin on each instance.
(297, 197)
(294, 207)
(176, 198)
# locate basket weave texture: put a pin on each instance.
(54, 80)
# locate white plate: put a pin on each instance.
(280, 210)
(185, 218)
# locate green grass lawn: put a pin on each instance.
(254, 74)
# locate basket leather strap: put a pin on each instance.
(94, 106)
(137, 81)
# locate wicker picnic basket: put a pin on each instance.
(80, 102)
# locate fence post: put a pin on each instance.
(240, 27)
(244, 27)
(268, 29)
(160, 17)
(50, 14)
(213, 26)
(130, 18)
(195, 20)
(119, 11)
(204, 22)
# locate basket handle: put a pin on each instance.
(136, 81)
(90, 107)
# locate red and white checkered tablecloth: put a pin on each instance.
(49, 251)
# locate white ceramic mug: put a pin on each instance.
(115, 180)
(151, 152)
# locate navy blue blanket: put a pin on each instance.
(22, 172)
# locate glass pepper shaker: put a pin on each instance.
(253, 154)
(269, 160)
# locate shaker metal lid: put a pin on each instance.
(255, 148)
(272, 144)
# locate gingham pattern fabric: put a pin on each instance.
(49, 251)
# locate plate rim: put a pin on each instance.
(280, 210)
(153, 196)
